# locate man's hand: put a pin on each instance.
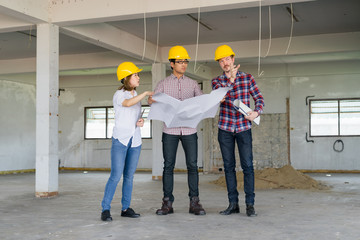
(251, 115)
(233, 72)
(223, 100)
(150, 100)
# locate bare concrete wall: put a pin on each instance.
(270, 143)
(320, 154)
(17, 120)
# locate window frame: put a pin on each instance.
(106, 122)
(338, 116)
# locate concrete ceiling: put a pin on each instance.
(315, 17)
(236, 23)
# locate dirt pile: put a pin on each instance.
(277, 178)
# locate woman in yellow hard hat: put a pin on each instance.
(126, 139)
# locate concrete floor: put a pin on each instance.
(75, 213)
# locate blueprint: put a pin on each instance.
(241, 107)
(187, 113)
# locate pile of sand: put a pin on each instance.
(273, 178)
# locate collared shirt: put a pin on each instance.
(244, 85)
(180, 89)
(126, 118)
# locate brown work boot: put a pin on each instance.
(166, 207)
(195, 207)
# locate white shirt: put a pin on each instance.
(126, 118)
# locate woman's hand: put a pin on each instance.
(149, 93)
(140, 123)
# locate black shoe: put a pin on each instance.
(129, 213)
(232, 208)
(250, 211)
(105, 216)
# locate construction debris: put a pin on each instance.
(278, 178)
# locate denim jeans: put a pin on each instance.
(170, 145)
(227, 145)
(124, 160)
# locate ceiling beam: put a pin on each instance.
(299, 49)
(12, 24)
(26, 10)
(82, 12)
(86, 61)
(314, 44)
(114, 39)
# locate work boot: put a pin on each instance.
(250, 211)
(166, 207)
(232, 208)
(195, 207)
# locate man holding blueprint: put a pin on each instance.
(180, 88)
(235, 126)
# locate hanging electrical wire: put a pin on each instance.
(197, 41)
(157, 39)
(144, 49)
(269, 46)
(291, 31)
(259, 68)
(30, 39)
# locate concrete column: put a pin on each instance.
(47, 88)
(158, 72)
(206, 148)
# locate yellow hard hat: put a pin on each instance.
(178, 52)
(126, 69)
(223, 51)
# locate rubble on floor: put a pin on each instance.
(278, 178)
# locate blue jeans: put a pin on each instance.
(227, 145)
(124, 160)
(170, 145)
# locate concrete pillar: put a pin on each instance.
(208, 134)
(158, 72)
(47, 88)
